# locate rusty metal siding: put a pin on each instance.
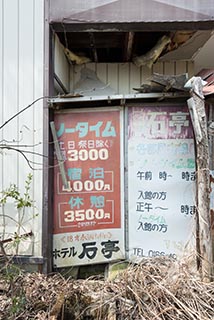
(21, 82)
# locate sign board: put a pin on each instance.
(161, 179)
(88, 215)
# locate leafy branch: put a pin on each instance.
(21, 202)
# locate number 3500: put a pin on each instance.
(84, 155)
(81, 215)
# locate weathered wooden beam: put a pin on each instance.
(147, 88)
(93, 47)
(128, 46)
(59, 155)
(198, 115)
(132, 26)
(171, 81)
(195, 120)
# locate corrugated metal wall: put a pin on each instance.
(21, 82)
(123, 77)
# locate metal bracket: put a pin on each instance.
(123, 102)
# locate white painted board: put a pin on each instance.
(161, 179)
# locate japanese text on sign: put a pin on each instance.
(161, 168)
(90, 146)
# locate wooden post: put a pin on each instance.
(196, 106)
(129, 41)
(59, 155)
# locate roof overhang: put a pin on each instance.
(134, 14)
(132, 27)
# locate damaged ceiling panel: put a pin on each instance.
(109, 46)
(190, 47)
(142, 48)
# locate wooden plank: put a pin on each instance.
(59, 156)
(139, 26)
(195, 120)
(93, 47)
(128, 46)
(196, 105)
(170, 81)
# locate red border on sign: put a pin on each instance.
(90, 144)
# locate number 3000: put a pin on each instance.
(84, 155)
